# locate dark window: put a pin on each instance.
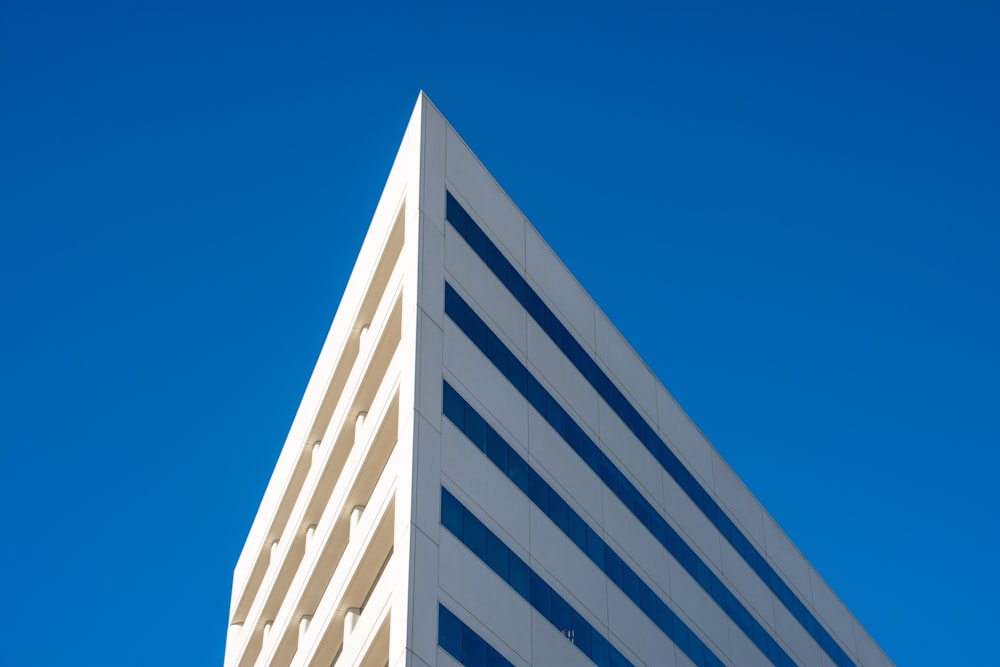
(647, 601)
(538, 490)
(553, 506)
(560, 335)
(496, 351)
(537, 395)
(517, 374)
(613, 565)
(577, 531)
(560, 613)
(595, 549)
(449, 632)
(555, 415)
(631, 587)
(454, 406)
(520, 577)
(475, 428)
(451, 514)
(494, 659)
(558, 511)
(518, 472)
(540, 593)
(496, 450)
(473, 648)
(496, 555)
(475, 535)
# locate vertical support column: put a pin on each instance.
(310, 536)
(303, 628)
(274, 554)
(359, 425)
(315, 452)
(350, 621)
(267, 631)
(363, 341)
(232, 638)
(356, 513)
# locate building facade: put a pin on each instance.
(483, 472)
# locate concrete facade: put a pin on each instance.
(474, 419)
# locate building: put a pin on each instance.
(483, 472)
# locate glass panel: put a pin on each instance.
(536, 395)
(454, 213)
(473, 649)
(555, 415)
(520, 578)
(496, 555)
(517, 374)
(558, 511)
(449, 632)
(496, 351)
(494, 260)
(647, 601)
(540, 596)
(451, 514)
(560, 614)
(631, 581)
(494, 659)
(475, 428)
(582, 632)
(538, 491)
(577, 531)
(600, 651)
(518, 472)
(516, 284)
(496, 450)
(453, 405)
(453, 306)
(613, 566)
(475, 535)
(595, 549)
(633, 419)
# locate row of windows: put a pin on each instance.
(490, 549)
(547, 406)
(561, 336)
(464, 645)
(573, 526)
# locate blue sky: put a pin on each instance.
(790, 212)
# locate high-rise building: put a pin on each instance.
(483, 472)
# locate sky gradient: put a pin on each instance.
(792, 214)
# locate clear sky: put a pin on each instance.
(791, 213)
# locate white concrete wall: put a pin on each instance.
(429, 565)
(502, 506)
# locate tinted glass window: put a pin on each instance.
(560, 335)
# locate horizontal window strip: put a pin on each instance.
(463, 644)
(571, 432)
(518, 287)
(492, 551)
(511, 464)
(547, 499)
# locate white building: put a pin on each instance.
(483, 472)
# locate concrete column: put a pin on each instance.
(363, 340)
(359, 424)
(274, 553)
(232, 638)
(350, 620)
(303, 627)
(356, 513)
(315, 452)
(310, 535)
